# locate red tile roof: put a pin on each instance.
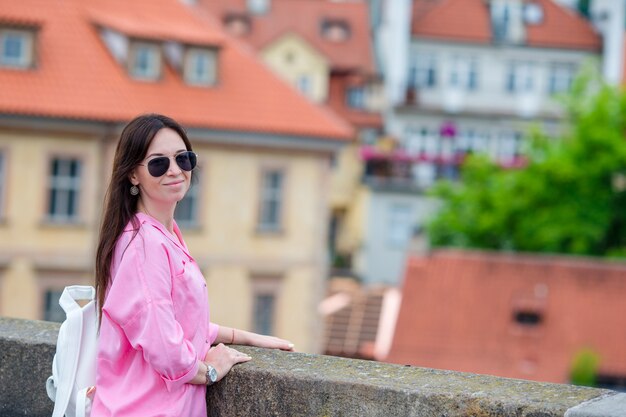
(460, 20)
(305, 17)
(76, 77)
(458, 311)
(469, 21)
(563, 28)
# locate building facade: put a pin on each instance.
(256, 220)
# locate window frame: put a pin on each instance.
(56, 280)
(279, 227)
(264, 284)
(77, 216)
(561, 73)
(26, 59)
(192, 54)
(423, 71)
(392, 241)
(520, 77)
(194, 193)
(154, 71)
(464, 73)
(356, 97)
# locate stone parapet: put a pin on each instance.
(278, 383)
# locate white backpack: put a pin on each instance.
(74, 365)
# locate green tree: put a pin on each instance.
(569, 198)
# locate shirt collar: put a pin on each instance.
(176, 238)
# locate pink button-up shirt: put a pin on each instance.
(155, 328)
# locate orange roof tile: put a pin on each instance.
(459, 310)
(305, 18)
(462, 20)
(469, 21)
(76, 76)
(562, 28)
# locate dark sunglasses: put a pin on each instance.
(158, 166)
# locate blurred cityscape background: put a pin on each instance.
(440, 183)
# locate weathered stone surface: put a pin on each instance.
(295, 384)
(610, 405)
(26, 352)
(291, 384)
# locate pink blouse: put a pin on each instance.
(155, 328)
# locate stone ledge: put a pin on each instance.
(295, 384)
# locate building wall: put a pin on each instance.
(293, 59)
(39, 254)
(391, 222)
(491, 95)
(232, 253)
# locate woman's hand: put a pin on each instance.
(223, 358)
(269, 342)
(233, 336)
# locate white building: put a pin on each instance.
(462, 76)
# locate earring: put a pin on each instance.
(134, 190)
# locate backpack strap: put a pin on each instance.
(83, 402)
(71, 343)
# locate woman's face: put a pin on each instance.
(170, 187)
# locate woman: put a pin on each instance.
(154, 355)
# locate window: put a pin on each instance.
(258, 6)
(520, 77)
(423, 71)
(335, 30)
(561, 78)
(201, 66)
(464, 73)
(64, 190)
(16, 48)
(271, 200)
(355, 97)
(265, 295)
(528, 317)
(2, 183)
(52, 310)
(400, 225)
(145, 63)
(303, 84)
(186, 213)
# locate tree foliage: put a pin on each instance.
(569, 198)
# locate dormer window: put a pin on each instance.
(258, 6)
(145, 61)
(335, 30)
(16, 48)
(200, 66)
(237, 24)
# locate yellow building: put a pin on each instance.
(256, 221)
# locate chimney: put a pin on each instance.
(608, 18)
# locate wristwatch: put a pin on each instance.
(211, 375)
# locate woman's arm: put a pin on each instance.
(233, 336)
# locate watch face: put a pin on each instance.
(212, 374)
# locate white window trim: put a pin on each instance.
(524, 80)
(154, 70)
(191, 76)
(65, 183)
(26, 59)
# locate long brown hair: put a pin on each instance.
(119, 205)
